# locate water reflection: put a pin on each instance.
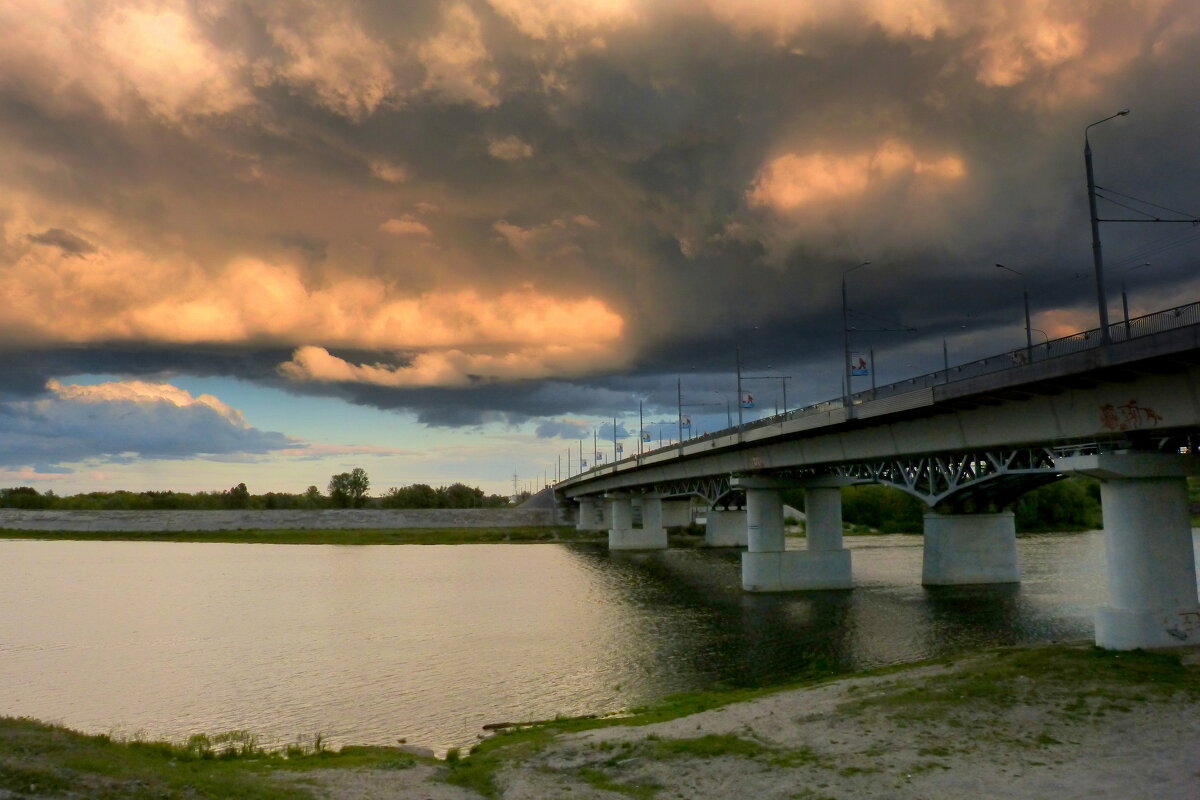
(367, 644)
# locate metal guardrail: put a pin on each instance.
(1137, 327)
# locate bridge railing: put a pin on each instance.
(1145, 325)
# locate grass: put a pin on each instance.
(1077, 684)
(42, 760)
(293, 536)
(1095, 680)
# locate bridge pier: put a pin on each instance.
(676, 513)
(621, 533)
(725, 527)
(592, 515)
(970, 548)
(768, 566)
(1148, 544)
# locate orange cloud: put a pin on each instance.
(510, 148)
(566, 19)
(104, 295)
(457, 64)
(792, 181)
(457, 368)
(125, 57)
(325, 50)
(1058, 50)
(406, 225)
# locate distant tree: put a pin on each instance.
(238, 497)
(459, 495)
(312, 497)
(349, 489)
(418, 495)
(23, 497)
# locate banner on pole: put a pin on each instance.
(748, 400)
(685, 421)
(858, 365)
(645, 436)
(620, 448)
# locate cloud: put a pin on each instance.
(67, 242)
(325, 50)
(454, 367)
(124, 419)
(622, 190)
(115, 296)
(790, 182)
(562, 429)
(387, 171)
(124, 57)
(457, 64)
(406, 225)
(510, 148)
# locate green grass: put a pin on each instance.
(1096, 680)
(292, 536)
(1075, 682)
(41, 760)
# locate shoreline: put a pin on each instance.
(351, 536)
(1063, 720)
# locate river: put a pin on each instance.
(370, 644)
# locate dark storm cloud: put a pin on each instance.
(372, 179)
(66, 241)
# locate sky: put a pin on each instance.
(268, 242)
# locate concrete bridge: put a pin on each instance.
(968, 441)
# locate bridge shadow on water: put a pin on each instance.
(712, 633)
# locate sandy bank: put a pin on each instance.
(1055, 722)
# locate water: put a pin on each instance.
(368, 644)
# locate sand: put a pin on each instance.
(858, 738)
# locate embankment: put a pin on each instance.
(271, 520)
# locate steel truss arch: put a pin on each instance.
(960, 481)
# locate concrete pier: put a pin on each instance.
(725, 527)
(768, 566)
(621, 533)
(969, 549)
(677, 513)
(591, 515)
(1148, 545)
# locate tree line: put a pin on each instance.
(345, 490)
(1071, 504)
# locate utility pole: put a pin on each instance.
(738, 365)
(1097, 255)
(679, 404)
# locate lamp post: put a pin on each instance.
(1125, 296)
(1097, 256)
(846, 338)
(1025, 294)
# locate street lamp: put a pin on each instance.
(1097, 257)
(1125, 296)
(846, 338)
(1025, 293)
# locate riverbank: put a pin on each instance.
(1067, 721)
(331, 536)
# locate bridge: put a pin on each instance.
(968, 441)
